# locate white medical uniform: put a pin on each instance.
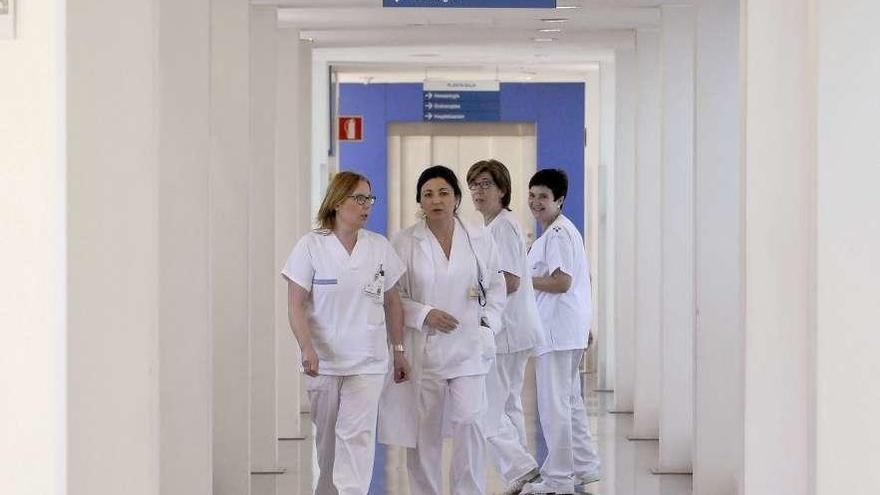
(446, 391)
(520, 333)
(566, 318)
(347, 321)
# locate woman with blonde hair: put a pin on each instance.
(343, 309)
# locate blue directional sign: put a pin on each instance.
(461, 101)
(473, 4)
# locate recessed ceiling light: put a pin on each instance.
(308, 40)
(554, 19)
(543, 40)
(550, 30)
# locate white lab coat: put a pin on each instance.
(468, 350)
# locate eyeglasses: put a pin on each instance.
(482, 185)
(363, 199)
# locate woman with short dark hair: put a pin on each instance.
(561, 277)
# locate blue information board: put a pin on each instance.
(461, 102)
(473, 4)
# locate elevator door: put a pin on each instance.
(414, 146)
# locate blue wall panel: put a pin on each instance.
(557, 109)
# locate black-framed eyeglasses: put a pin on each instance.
(482, 185)
(363, 199)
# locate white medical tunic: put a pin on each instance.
(566, 317)
(346, 311)
(520, 323)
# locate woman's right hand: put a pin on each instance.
(441, 320)
(310, 361)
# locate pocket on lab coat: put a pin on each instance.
(487, 342)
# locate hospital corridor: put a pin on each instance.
(296, 247)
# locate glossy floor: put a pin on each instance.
(626, 464)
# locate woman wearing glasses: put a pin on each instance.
(453, 296)
(343, 309)
(489, 182)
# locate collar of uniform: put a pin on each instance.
(420, 231)
(557, 223)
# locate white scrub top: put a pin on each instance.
(520, 324)
(566, 317)
(346, 311)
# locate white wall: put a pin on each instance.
(719, 383)
(626, 82)
(678, 257)
(780, 166)
(848, 240)
(113, 388)
(185, 368)
(648, 236)
(32, 226)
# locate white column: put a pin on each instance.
(321, 122)
(113, 266)
(780, 170)
(264, 272)
(229, 241)
(185, 369)
(678, 306)
(32, 226)
(596, 358)
(648, 237)
(605, 255)
(848, 241)
(718, 413)
(293, 218)
(626, 87)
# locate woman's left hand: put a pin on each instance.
(401, 368)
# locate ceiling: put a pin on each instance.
(368, 43)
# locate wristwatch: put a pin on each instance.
(398, 348)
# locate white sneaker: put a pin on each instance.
(516, 487)
(587, 478)
(539, 487)
(582, 480)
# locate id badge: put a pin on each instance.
(375, 289)
(473, 292)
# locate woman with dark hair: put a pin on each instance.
(453, 296)
(489, 183)
(561, 277)
(343, 309)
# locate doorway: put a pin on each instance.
(413, 146)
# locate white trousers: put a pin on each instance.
(463, 398)
(344, 411)
(570, 447)
(506, 436)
